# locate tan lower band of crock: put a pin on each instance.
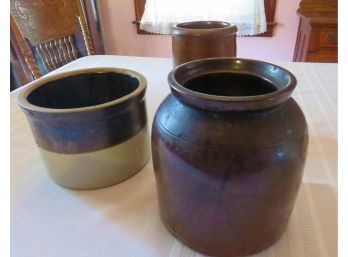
(100, 168)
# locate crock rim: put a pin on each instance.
(252, 102)
(226, 28)
(22, 99)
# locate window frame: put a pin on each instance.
(270, 7)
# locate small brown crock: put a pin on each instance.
(202, 39)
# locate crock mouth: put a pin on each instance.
(201, 28)
(250, 71)
(25, 94)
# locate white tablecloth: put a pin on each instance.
(123, 220)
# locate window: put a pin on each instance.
(269, 13)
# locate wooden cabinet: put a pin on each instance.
(317, 32)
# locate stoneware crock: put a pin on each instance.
(90, 125)
(202, 39)
(229, 146)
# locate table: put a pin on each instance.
(123, 220)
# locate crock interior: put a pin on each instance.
(83, 90)
(203, 25)
(230, 84)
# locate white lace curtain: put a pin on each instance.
(247, 15)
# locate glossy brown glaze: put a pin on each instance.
(202, 39)
(228, 168)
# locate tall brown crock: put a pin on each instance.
(229, 146)
(202, 39)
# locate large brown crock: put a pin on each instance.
(229, 147)
(202, 39)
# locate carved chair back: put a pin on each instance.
(50, 33)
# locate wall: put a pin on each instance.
(121, 38)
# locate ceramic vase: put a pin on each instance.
(229, 146)
(90, 125)
(202, 39)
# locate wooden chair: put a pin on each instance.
(49, 33)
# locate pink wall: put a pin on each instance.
(121, 38)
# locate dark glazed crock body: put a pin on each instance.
(228, 168)
(202, 39)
